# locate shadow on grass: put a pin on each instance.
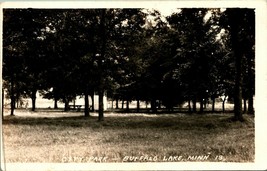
(120, 135)
(72, 121)
(212, 122)
(163, 111)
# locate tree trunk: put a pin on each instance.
(245, 105)
(3, 102)
(100, 64)
(251, 105)
(100, 105)
(250, 84)
(213, 104)
(194, 105)
(93, 103)
(12, 96)
(92, 94)
(201, 109)
(33, 104)
(33, 97)
(66, 102)
(138, 105)
(238, 99)
(55, 98)
(127, 106)
(117, 103)
(238, 54)
(86, 104)
(112, 103)
(153, 106)
(55, 104)
(189, 106)
(223, 104)
(122, 104)
(17, 102)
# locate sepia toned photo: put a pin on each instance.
(97, 88)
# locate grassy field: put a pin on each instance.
(39, 137)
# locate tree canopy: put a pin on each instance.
(192, 55)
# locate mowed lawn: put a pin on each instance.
(128, 138)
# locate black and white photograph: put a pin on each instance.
(152, 85)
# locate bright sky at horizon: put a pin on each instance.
(167, 11)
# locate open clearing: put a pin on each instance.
(54, 136)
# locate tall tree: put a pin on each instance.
(21, 43)
(195, 52)
(241, 23)
(115, 27)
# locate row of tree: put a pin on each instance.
(132, 54)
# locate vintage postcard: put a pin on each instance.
(133, 85)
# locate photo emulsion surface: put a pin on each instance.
(126, 85)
